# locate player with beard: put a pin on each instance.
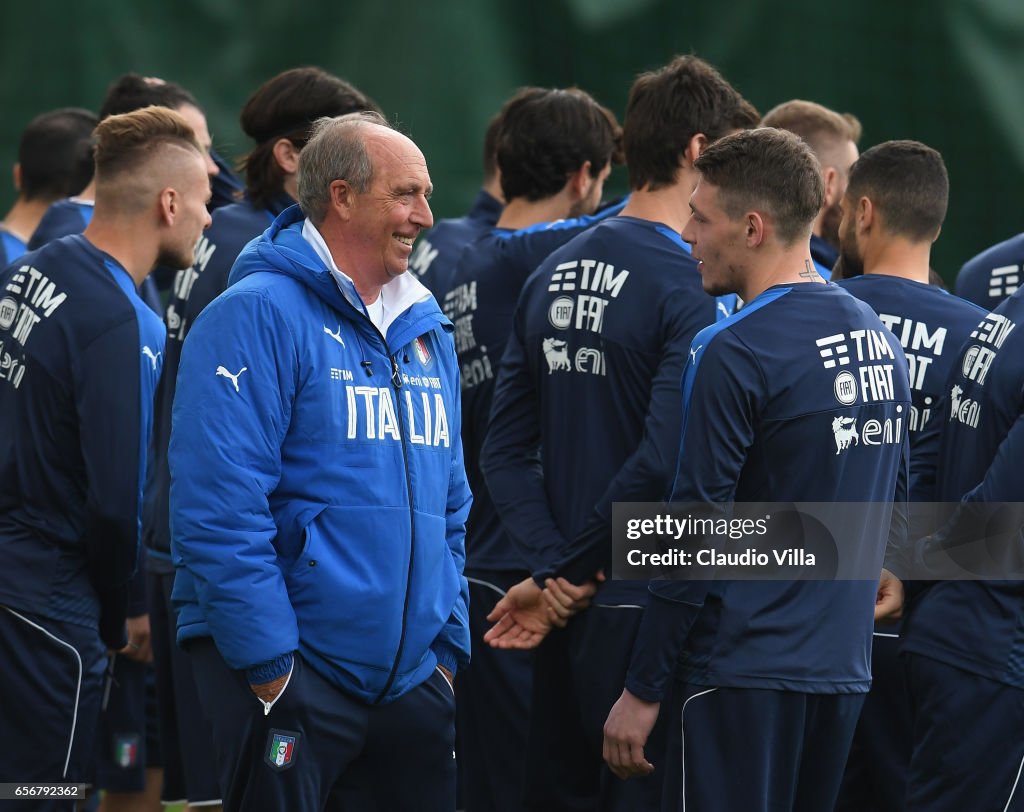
(82, 357)
(893, 211)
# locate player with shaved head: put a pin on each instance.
(81, 355)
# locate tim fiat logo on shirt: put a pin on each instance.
(39, 300)
(992, 333)
(595, 284)
(866, 348)
(281, 746)
(1004, 281)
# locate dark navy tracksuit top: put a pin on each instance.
(80, 355)
(802, 396)
(480, 302)
(978, 625)
(591, 379)
(993, 275)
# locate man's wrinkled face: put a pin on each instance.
(388, 216)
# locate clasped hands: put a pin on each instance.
(527, 613)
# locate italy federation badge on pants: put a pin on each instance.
(280, 751)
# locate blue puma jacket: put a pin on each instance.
(318, 494)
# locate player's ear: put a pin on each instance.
(579, 181)
(865, 213)
(830, 176)
(754, 229)
(167, 204)
(287, 156)
(694, 148)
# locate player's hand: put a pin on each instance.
(140, 646)
(565, 599)
(625, 733)
(521, 618)
(889, 600)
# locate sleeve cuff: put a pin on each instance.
(447, 657)
(269, 671)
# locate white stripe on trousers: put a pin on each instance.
(78, 687)
(682, 732)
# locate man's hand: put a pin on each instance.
(140, 647)
(625, 733)
(565, 599)
(448, 675)
(521, 619)
(889, 600)
(269, 691)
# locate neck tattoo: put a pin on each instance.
(810, 273)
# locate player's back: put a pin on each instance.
(68, 216)
(480, 301)
(976, 624)
(931, 326)
(603, 321)
(993, 275)
(69, 342)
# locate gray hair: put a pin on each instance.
(336, 150)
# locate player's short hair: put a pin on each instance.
(907, 182)
(547, 135)
(824, 130)
(127, 142)
(55, 154)
(286, 107)
(133, 92)
(336, 150)
(667, 108)
(767, 170)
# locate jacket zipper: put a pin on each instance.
(396, 384)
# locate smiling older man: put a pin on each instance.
(318, 495)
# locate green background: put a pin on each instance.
(947, 72)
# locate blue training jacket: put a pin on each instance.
(318, 493)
